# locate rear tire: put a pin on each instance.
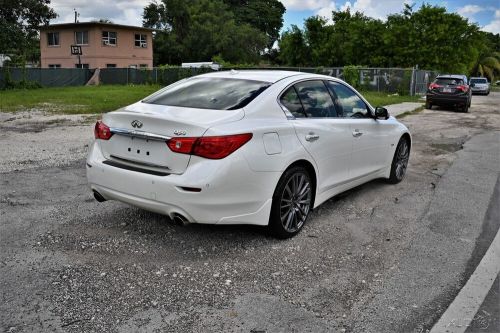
(465, 108)
(292, 203)
(400, 161)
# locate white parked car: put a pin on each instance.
(245, 147)
(480, 85)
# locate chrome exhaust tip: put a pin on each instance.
(98, 196)
(179, 219)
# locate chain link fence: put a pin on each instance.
(390, 80)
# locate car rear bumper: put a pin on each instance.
(447, 100)
(480, 90)
(231, 193)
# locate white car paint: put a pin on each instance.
(238, 189)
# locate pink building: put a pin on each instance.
(103, 45)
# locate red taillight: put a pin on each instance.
(181, 145)
(434, 86)
(463, 88)
(212, 147)
(101, 131)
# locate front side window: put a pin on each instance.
(290, 100)
(316, 99)
(348, 103)
(210, 93)
(109, 38)
(53, 38)
(81, 37)
(141, 40)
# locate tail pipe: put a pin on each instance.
(98, 196)
(180, 219)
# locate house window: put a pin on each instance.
(110, 65)
(54, 65)
(109, 38)
(81, 37)
(132, 66)
(53, 38)
(81, 65)
(141, 40)
(143, 65)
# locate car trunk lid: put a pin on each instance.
(142, 130)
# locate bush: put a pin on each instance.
(351, 75)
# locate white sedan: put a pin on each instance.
(245, 147)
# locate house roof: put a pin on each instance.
(90, 24)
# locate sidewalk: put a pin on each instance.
(397, 109)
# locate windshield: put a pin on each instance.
(449, 81)
(210, 93)
(478, 81)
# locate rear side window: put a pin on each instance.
(449, 81)
(210, 93)
(291, 101)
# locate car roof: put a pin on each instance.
(271, 76)
(451, 76)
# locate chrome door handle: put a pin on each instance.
(312, 137)
(356, 133)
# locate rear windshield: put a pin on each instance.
(210, 93)
(478, 81)
(449, 81)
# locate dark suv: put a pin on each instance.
(449, 90)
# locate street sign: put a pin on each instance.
(76, 50)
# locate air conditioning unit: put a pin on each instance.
(143, 44)
(105, 42)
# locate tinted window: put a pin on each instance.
(316, 99)
(348, 103)
(478, 81)
(210, 93)
(291, 101)
(449, 81)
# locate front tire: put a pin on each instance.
(428, 105)
(400, 161)
(292, 202)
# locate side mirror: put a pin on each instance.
(381, 113)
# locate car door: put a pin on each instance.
(371, 138)
(326, 137)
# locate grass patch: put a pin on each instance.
(98, 99)
(382, 99)
(74, 100)
(417, 110)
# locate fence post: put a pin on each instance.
(412, 82)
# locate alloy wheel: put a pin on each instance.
(295, 202)
(402, 157)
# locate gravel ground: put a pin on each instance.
(70, 264)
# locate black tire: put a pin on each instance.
(400, 161)
(465, 108)
(428, 105)
(292, 203)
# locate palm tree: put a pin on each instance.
(488, 66)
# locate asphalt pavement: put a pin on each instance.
(378, 258)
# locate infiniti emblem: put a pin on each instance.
(136, 124)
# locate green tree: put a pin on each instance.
(293, 48)
(264, 15)
(198, 30)
(19, 22)
(433, 39)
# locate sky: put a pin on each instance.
(486, 13)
